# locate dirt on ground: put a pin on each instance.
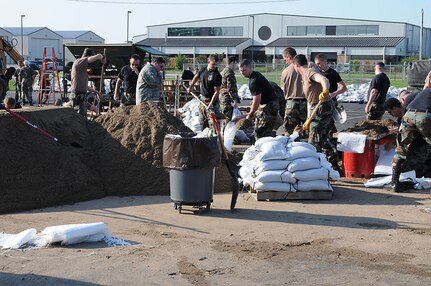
(121, 154)
(359, 237)
(373, 128)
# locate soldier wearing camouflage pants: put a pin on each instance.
(316, 88)
(416, 122)
(149, 84)
(229, 90)
(265, 105)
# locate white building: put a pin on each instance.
(33, 40)
(78, 37)
(264, 36)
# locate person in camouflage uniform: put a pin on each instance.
(416, 122)
(229, 89)
(316, 88)
(26, 76)
(265, 103)
(149, 84)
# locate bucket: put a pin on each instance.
(192, 187)
(360, 165)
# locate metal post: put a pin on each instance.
(22, 37)
(128, 13)
(421, 35)
(252, 42)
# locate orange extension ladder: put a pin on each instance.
(44, 89)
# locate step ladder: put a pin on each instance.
(48, 80)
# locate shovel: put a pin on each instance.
(235, 184)
(19, 117)
(307, 122)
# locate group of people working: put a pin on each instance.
(306, 86)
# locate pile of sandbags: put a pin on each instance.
(280, 164)
(359, 93)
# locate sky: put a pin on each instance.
(108, 18)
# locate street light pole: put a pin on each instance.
(22, 37)
(252, 41)
(128, 13)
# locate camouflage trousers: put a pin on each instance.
(409, 152)
(265, 119)
(128, 99)
(26, 92)
(295, 114)
(226, 108)
(205, 117)
(376, 111)
(320, 129)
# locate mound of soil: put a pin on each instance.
(122, 154)
(129, 145)
(37, 172)
(373, 128)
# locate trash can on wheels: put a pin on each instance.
(191, 163)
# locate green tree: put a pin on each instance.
(180, 59)
(412, 59)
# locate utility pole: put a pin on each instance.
(252, 41)
(128, 13)
(22, 37)
(421, 35)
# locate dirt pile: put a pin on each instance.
(129, 145)
(373, 128)
(122, 154)
(37, 172)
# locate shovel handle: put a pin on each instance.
(307, 122)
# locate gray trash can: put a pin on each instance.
(191, 163)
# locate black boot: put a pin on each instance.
(395, 182)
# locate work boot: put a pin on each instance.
(394, 185)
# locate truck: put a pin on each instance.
(6, 73)
(417, 71)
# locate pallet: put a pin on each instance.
(274, 195)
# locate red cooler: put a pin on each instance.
(360, 165)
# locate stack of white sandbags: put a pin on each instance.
(244, 92)
(191, 116)
(355, 93)
(279, 164)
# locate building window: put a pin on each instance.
(316, 30)
(357, 30)
(205, 31)
(296, 30)
(330, 30)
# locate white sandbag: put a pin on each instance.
(279, 176)
(300, 151)
(312, 174)
(229, 135)
(303, 144)
(259, 142)
(279, 187)
(272, 150)
(15, 241)
(236, 113)
(75, 233)
(260, 167)
(334, 175)
(303, 164)
(316, 185)
(249, 155)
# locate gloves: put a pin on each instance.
(306, 126)
(324, 95)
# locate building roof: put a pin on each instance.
(337, 42)
(25, 30)
(193, 42)
(277, 14)
(71, 34)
